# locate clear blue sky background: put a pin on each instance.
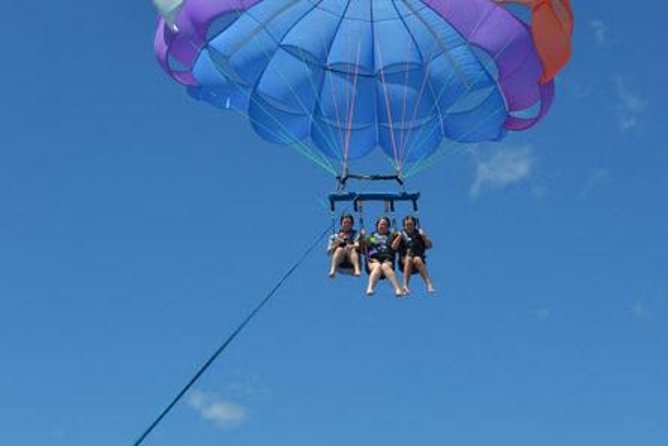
(138, 227)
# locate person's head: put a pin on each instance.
(347, 221)
(410, 223)
(383, 225)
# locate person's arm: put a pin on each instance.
(396, 242)
(363, 240)
(357, 241)
(425, 238)
(334, 242)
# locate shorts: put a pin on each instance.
(382, 260)
(414, 270)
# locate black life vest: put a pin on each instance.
(412, 244)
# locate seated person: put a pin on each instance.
(412, 246)
(381, 256)
(344, 248)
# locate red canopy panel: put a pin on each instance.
(552, 29)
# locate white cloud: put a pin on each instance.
(600, 32)
(224, 414)
(596, 178)
(504, 167)
(630, 105)
(640, 311)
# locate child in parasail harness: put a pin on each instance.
(344, 248)
(412, 258)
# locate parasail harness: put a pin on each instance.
(359, 199)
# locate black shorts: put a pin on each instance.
(414, 270)
(346, 267)
(381, 260)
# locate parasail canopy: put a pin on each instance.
(337, 79)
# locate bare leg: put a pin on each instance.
(374, 275)
(408, 271)
(354, 258)
(337, 258)
(389, 275)
(422, 269)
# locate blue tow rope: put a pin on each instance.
(230, 338)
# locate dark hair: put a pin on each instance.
(387, 219)
(412, 218)
(344, 216)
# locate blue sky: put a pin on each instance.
(138, 227)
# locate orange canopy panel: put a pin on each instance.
(552, 28)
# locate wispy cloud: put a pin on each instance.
(601, 32)
(503, 167)
(542, 314)
(640, 311)
(225, 414)
(247, 388)
(596, 178)
(58, 433)
(581, 90)
(630, 105)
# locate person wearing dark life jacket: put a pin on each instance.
(344, 248)
(412, 244)
(381, 256)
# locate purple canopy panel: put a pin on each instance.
(546, 98)
(509, 42)
(192, 24)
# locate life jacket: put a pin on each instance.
(348, 238)
(343, 237)
(412, 244)
(379, 247)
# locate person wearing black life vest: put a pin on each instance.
(381, 256)
(411, 247)
(344, 248)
